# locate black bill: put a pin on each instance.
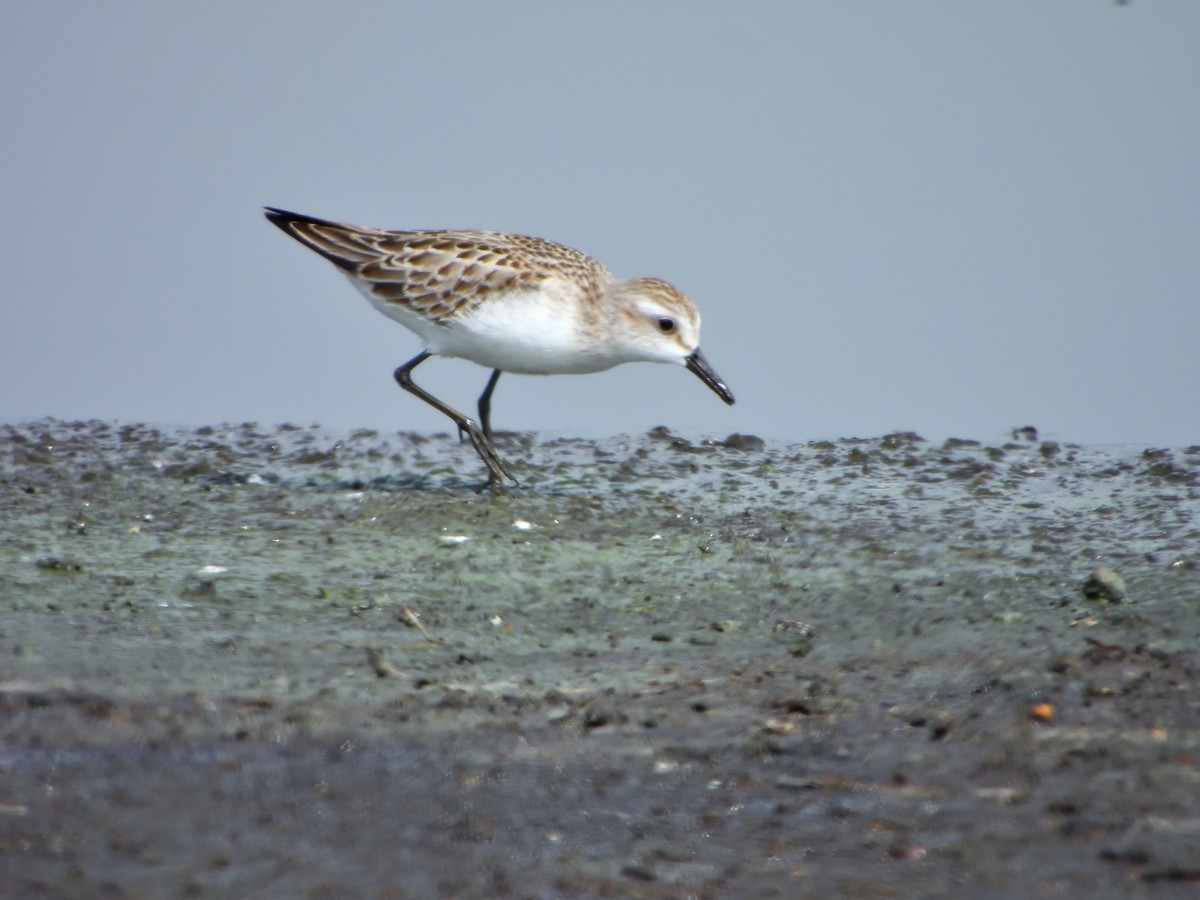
(697, 364)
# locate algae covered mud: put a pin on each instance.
(238, 661)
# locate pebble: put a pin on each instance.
(743, 442)
(1104, 585)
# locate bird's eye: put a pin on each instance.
(666, 325)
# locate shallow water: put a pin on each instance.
(241, 661)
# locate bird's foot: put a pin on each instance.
(497, 471)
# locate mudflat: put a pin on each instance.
(289, 662)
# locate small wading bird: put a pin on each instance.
(509, 303)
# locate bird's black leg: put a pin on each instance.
(479, 439)
(485, 404)
(485, 407)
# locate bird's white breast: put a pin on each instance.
(537, 331)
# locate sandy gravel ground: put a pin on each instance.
(248, 662)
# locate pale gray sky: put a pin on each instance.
(945, 217)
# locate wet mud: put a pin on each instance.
(287, 662)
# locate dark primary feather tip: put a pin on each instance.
(283, 217)
(316, 234)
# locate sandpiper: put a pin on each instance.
(510, 303)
